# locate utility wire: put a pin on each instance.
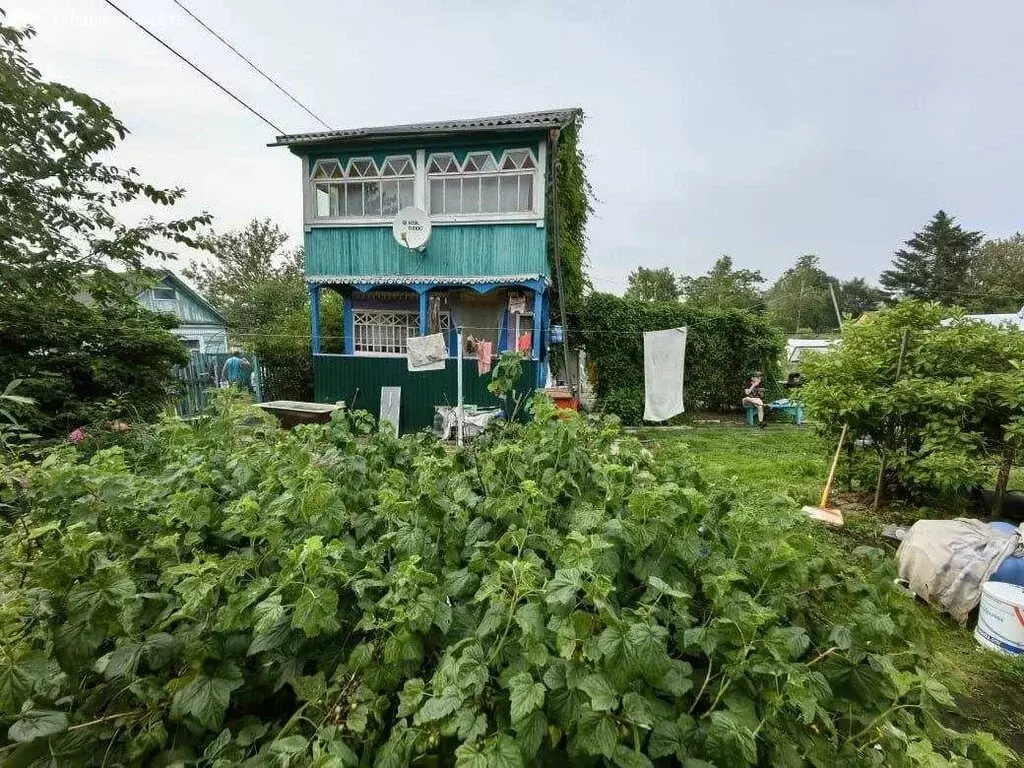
(248, 61)
(193, 66)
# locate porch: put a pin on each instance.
(378, 315)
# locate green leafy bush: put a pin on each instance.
(956, 411)
(227, 593)
(723, 348)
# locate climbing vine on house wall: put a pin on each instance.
(574, 196)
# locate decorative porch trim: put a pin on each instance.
(421, 279)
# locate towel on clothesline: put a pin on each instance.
(664, 358)
(947, 562)
(426, 353)
(483, 356)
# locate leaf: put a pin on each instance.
(37, 723)
(526, 695)
(530, 618)
(841, 637)
(18, 679)
(599, 734)
(665, 587)
(205, 699)
(410, 697)
(731, 740)
(530, 732)
(664, 740)
(677, 679)
(625, 757)
(316, 612)
(644, 647)
(310, 687)
(460, 583)
(637, 709)
(787, 643)
(215, 747)
(505, 754)
(561, 588)
(289, 745)
(469, 756)
(602, 695)
(436, 707)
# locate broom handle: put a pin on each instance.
(832, 471)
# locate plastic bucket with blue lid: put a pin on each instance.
(1001, 618)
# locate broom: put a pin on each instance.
(823, 512)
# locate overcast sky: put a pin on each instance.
(761, 130)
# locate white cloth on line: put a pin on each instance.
(426, 353)
(664, 359)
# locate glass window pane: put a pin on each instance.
(526, 192)
(322, 201)
(337, 203)
(437, 195)
(452, 196)
(405, 193)
(354, 199)
(389, 190)
(471, 195)
(371, 198)
(509, 194)
(489, 194)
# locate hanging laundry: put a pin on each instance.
(525, 343)
(664, 359)
(483, 356)
(516, 303)
(426, 353)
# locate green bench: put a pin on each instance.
(794, 410)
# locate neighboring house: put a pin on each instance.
(482, 184)
(202, 329)
(1000, 320)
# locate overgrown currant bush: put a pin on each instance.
(226, 593)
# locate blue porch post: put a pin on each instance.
(349, 344)
(314, 316)
(424, 311)
(538, 325)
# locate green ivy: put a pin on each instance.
(574, 208)
(225, 593)
(723, 348)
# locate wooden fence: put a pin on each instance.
(203, 374)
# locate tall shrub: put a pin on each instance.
(723, 347)
(954, 414)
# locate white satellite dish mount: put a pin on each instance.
(411, 228)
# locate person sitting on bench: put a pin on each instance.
(754, 395)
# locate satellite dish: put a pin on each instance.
(411, 228)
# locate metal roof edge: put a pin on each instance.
(525, 121)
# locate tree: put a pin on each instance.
(856, 296)
(800, 299)
(951, 418)
(652, 285)
(936, 262)
(722, 287)
(997, 276)
(253, 278)
(69, 324)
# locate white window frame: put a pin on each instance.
(173, 297)
(378, 332)
(532, 174)
(347, 179)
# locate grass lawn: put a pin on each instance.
(763, 467)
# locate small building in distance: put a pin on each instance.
(481, 184)
(201, 328)
(999, 319)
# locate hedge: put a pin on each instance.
(723, 348)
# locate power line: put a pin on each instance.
(193, 66)
(242, 56)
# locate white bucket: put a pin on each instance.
(1001, 618)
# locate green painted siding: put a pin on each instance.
(454, 250)
(338, 378)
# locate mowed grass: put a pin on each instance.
(788, 464)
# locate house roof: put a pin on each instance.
(452, 280)
(522, 121)
(166, 275)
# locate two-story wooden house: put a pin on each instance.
(482, 183)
